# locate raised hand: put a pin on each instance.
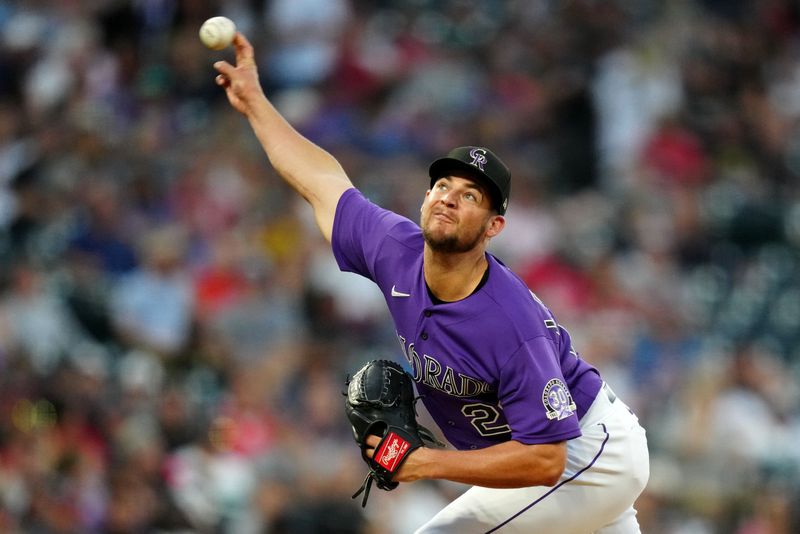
(240, 82)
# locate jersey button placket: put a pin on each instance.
(426, 314)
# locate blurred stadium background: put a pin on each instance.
(174, 335)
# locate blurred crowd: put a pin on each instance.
(175, 335)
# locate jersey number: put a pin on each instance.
(484, 418)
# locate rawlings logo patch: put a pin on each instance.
(557, 400)
(393, 449)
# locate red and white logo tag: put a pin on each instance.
(393, 449)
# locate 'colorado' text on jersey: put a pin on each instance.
(491, 367)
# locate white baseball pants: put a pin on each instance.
(607, 468)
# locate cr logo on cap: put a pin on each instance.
(478, 156)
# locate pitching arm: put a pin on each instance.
(314, 173)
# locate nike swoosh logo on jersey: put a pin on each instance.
(396, 293)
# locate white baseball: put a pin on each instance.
(217, 32)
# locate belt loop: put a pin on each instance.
(610, 394)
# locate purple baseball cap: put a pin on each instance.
(480, 162)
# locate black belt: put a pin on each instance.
(610, 394)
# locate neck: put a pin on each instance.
(453, 276)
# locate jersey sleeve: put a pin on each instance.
(360, 228)
(534, 395)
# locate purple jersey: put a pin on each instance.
(491, 367)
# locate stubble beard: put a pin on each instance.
(452, 243)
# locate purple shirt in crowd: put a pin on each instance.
(491, 367)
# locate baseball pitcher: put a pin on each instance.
(544, 442)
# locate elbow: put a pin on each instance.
(533, 465)
(551, 477)
(542, 476)
(553, 465)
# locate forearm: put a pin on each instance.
(309, 169)
(506, 465)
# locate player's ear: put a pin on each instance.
(495, 226)
(424, 200)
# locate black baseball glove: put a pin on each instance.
(380, 401)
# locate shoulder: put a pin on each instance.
(366, 236)
(520, 306)
(505, 284)
(356, 211)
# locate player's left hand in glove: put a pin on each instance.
(380, 401)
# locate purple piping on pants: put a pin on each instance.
(554, 488)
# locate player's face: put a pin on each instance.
(457, 215)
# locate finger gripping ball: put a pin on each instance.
(217, 32)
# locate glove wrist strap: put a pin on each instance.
(392, 450)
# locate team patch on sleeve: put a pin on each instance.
(557, 400)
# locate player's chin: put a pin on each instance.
(443, 242)
(440, 227)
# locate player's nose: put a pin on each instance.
(449, 198)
